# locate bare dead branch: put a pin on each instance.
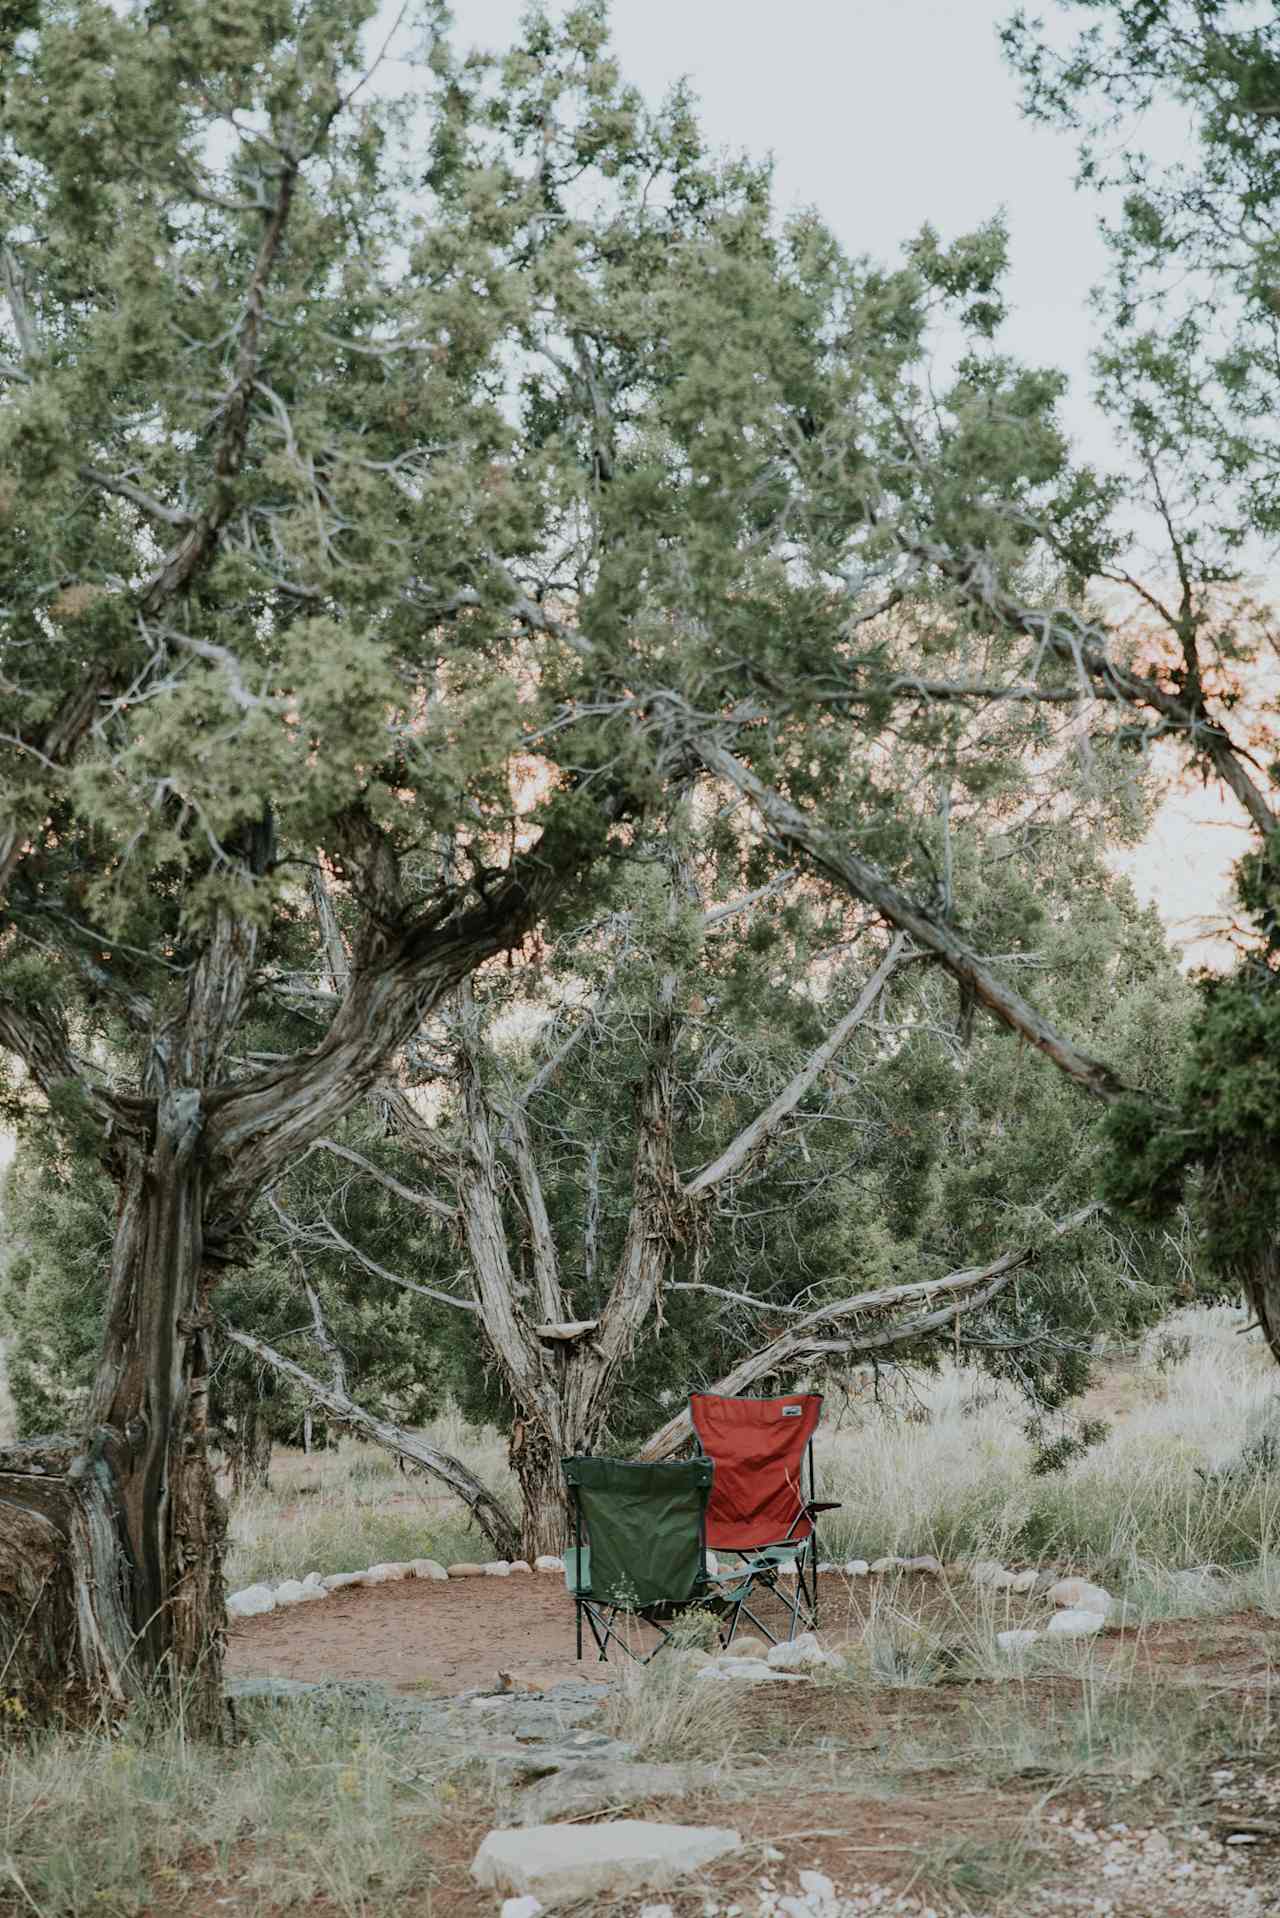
(326, 1234)
(125, 489)
(816, 1338)
(414, 1195)
(802, 832)
(490, 1514)
(740, 1149)
(542, 1245)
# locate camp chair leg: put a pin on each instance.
(760, 1624)
(806, 1603)
(603, 1629)
(726, 1636)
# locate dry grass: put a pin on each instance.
(118, 1822)
(340, 1511)
(1159, 1493)
(331, 1809)
(665, 1713)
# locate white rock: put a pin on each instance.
(880, 1565)
(827, 1566)
(498, 1568)
(526, 1907)
(800, 1654)
(856, 1568)
(310, 1593)
(564, 1862)
(751, 1671)
(313, 1582)
(336, 1580)
(252, 1602)
(713, 1565)
(817, 1887)
(1016, 1641)
(1078, 1595)
(748, 1646)
(397, 1569)
(520, 1565)
(786, 1571)
(987, 1571)
(1075, 1624)
(1023, 1581)
(427, 1568)
(548, 1562)
(290, 1591)
(926, 1563)
(378, 1575)
(656, 1911)
(744, 1667)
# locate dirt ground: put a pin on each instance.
(455, 1636)
(893, 1792)
(419, 1633)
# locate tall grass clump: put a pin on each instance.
(122, 1821)
(1188, 1475)
(663, 1712)
(340, 1511)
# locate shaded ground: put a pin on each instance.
(418, 1633)
(455, 1636)
(1144, 1784)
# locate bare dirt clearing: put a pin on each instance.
(1138, 1778)
(455, 1636)
(450, 1636)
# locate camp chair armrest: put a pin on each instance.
(824, 1505)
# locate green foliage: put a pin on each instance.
(367, 458)
(58, 1219)
(1218, 1138)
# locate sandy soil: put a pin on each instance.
(877, 1788)
(425, 1634)
(420, 1633)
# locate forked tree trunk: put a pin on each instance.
(122, 1537)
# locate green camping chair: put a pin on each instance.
(639, 1544)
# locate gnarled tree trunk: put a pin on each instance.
(124, 1536)
(535, 1454)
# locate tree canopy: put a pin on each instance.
(417, 493)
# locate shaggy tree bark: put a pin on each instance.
(560, 1370)
(124, 1531)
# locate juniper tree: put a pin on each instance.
(369, 464)
(719, 1132)
(1187, 371)
(352, 447)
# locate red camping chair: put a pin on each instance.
(758, 1508)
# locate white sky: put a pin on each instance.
(882, 114)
